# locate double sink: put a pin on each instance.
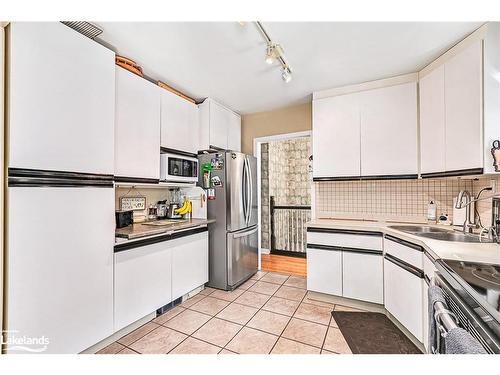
(439, 233)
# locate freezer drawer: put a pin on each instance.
(242, 255)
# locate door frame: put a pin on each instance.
(257, 142)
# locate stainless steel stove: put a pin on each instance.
(474, 291)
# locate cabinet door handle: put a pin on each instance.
(407, 267)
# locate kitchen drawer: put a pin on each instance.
(348, 239)
(405, 251)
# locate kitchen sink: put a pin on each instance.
(439, 233)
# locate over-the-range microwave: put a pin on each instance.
(178, 168)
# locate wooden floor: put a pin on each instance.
(281, 263)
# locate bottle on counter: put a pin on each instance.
(431, 212)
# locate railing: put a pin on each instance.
(288, 230)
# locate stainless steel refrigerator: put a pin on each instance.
(232, 203)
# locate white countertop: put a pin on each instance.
(465, 251)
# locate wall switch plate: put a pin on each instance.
(493, 184)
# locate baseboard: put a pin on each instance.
(119, 334)
(265, 251)
(349, 302)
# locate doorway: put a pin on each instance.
(284, 199)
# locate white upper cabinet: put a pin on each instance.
(179, 123)
(234, 132)
(220, 127)
(463, 105)
(137, 127)
(61, 99)
(336, 137)
(432, 122)
(371, 133)
(389, 131)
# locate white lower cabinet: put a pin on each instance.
(324, 271)
(403, 292)
(189, 263)
(363, 276)
(153, 275)
(143, 281)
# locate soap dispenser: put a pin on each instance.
(431, 211)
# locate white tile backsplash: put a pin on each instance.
(404, 200)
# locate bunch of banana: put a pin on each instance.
(185, 209)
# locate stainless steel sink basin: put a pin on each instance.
(414, 229)
(439, 233)
(455, 237)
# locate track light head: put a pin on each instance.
(286, 74)
(270, 54)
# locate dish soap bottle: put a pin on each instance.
(431, 212)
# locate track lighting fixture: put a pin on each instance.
(275, 52)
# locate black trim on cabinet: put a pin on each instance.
(152, 240)
(367, 178)
(166, 150)
(405, 243)
(217, 148)
(339, 178)
(362, 251)
(429, 256)
(406, 266)
(391, 177)
(137, 180)
(53, 175)
(188, 232)
(455, 173)
(427, 280)
(341, 248)
(323, 247)
(343, 231)
(140, 243)
(62, 183)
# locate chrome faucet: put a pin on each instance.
(468, 224)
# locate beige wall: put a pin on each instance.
(281, 121)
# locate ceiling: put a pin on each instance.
(225, 60)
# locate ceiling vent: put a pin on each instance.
(86, 28)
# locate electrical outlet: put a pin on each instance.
(493, 186)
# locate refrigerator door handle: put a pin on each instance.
(250, 190)
(247, 187)
(246, 233)
(244, 191)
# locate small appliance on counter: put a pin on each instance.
(171, 211)
(124, 218)
(161, 209)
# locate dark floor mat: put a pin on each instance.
(372, 333)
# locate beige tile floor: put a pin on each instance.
(270, 313)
